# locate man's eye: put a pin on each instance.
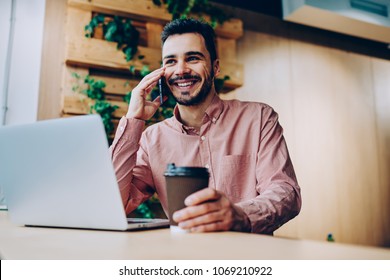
(169, 61)
(193, 58)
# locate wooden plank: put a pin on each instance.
(227, 49)
(102, 54)
(231, 29)
(153, 32)
(49, 103)
(117, 86)
(128, 8)
(147, 10)
(69, 81)
(76, 21)
(235, 71)
(80, 104)
(114, 84)
(115, 121)
(380, 75)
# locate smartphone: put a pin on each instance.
(161, 84)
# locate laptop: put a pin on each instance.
(58, 173)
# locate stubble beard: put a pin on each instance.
(198, 98)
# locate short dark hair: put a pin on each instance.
(190, 25)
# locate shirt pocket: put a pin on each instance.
(237, 177)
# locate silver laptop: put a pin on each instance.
(58, 173)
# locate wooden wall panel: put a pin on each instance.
(327, 100)
(146, 10)
(265, 59)
(95, 54)
(312, 124)
(381, 78)
(75, 53)
(356, 165)
(52, 67)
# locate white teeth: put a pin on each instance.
(184, 84)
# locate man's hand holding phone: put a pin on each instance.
(139, 107)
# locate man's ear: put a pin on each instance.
(217, 70)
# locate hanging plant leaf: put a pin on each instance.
(101, 106)
(185, 8)
(95, 22)
(145, 70)
(219, 83)
(119, 30)
(132, 69)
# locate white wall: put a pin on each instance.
(26, 52)
(5, 14)
(22, 92)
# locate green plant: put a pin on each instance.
(119, 30)
(185, 8)
(95, 90)
(220, 82)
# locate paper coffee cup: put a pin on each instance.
(180, 183)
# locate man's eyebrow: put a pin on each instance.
(195, 53)
(169, 56)
(187, 54)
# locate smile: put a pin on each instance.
(185, 85)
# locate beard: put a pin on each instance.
(198, 98)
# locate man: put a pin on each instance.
(252, 186)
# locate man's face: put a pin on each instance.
(189, 73)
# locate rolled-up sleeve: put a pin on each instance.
(124, 151)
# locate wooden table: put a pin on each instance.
(18, 242)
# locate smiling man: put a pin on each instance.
(252, 185)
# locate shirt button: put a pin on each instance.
(214, 120)
(207, 166)
(121, 128)
(203, 138)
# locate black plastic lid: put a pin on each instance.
(173, 170)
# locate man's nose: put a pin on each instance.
(182, 68)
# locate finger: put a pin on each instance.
(154, 105)
(209, 218)
(157, 101)
(191, 212)
(201, 196)
(150, 86)
(156, 74)
(150, 80)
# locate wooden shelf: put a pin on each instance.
(146, 10)
(95, 53)
(88, 56)
(80, 105)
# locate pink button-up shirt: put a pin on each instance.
(242, 145)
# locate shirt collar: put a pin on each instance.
(212, 113)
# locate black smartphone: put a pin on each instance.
(161, 84)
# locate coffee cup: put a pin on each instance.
(180, 183)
